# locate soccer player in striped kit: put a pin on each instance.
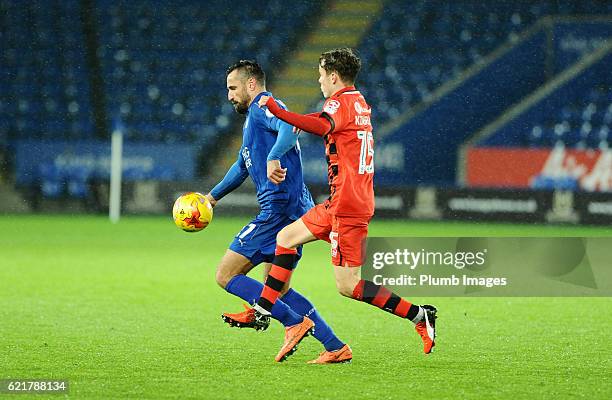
(342, 220)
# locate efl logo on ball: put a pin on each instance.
(192, 212)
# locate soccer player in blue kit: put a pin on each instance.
(267, 144)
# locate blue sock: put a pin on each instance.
(248, 289)
(322, 332)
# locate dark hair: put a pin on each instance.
(250, 69)
(345, 62)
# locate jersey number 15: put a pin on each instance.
(367, 151)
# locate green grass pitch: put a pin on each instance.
(132, 311)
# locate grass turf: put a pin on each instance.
(132, 311)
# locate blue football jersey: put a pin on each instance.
(291, 197)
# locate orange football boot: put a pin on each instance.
(343, 355)
(426, 328)
(293, 336)
(247, 319)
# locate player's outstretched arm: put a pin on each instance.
(318, 125)
(233, 179)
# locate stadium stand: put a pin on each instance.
(343, 24)
(161, 70)
(583, 122)
(417, 46)
(44, 81)
(163, 65)
(160, 63)
(158, 67)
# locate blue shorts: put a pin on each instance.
(257, 240)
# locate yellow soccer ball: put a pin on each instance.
(192, 212)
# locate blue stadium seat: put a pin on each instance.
(51, 181)
(77, 179)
